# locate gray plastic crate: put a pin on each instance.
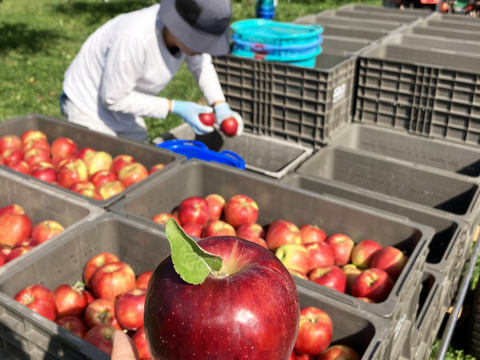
(450, 245)
(42, 203)
(383, 10)
(27, 335)
(467, 26)
(440, 33)
(146, 154)
(461, 19)
(290, 103)
(384, 26)
(351, 32)
(332, 16)
(399, 16)
(336, 45)
(262, 154)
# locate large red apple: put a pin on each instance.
(10, 142)
(314, 331)
(329, 276)
(101, 312)
(73, 324)
(96, 262)
(257, 332)
(14, 228)
(282, 232)
(207, 119)
(163, 219)
(131, 174)
(339, 352)
(36, 144)
(46, 230)
(140, 342)
(312, 234)
(85, 153)
(229, 126)
(129, 309)
(59, 161)
(251, 229)
(34, 156)
(342, 247)
(101, 337)
(25, 243)
(39, 299)
(294, 257)
(102, 177)
(113, 279)
(12, 155)
(20, 166)
(29, 135)
(240, 209)
(194, 210)
(217, 228)
(41, 165)
(111, 189)
(99, 161)
(156, 168)
(63, 147)
(193, 229)
(17, 252)
(14, 209)
(120, 162)
(71, 300)
(216, 204)
(44, 173)
(321, 255)
(72, 172)
(374, 284)
(351, 272)
(142, 280)
(391, 260)
(363, 253)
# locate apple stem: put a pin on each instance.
(219, 275)
(78, 287)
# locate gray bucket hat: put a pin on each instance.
(200, 25)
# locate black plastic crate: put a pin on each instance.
(143, 153)
(27, 335)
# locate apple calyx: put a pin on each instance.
(190, 261)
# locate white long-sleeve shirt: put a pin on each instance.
(121, 68)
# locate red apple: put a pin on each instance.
(298, 274)
(156, 168)
(46, 230)
(342, 247)
(391, 260)
(100, 161)
(142, 280)
(21, 167)
(129, 309)
(41, 165)
(82, 185)
(193, 229)
(131, 174)
(367, 300)
(12, 155)
(314, 331)
(163, 219)
(321, 255)
(101, 312)
(339, 352)
(215, 204)
(59, 161)
(351, 272)
(111, 280)
(74, 325)
(254, 239)
(251, 229)
(329, 276)
(282, 232)
(208, 119)
(194, 210)
(240, 209)
(312, 234)
(85, 153)
(72, 172)
(294, 257)
(13, 228)
(217, 228)
(36, 144)
(374, 284)
(258, 332)
(140, 342)
(1, 160)
(96, 262)
(17, 252)
(111, 189)
(363, 253)
(34, 156)
(39, 299)
(89, 296)
(32, 134)
(229, 126)
(14, 209)
(71, 300)
(102, 177)
(121, 161)
(25, 243)
(63, 147)
(101, 337)
(44, 173)
(10, 142)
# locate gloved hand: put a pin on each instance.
(189, 112)
(223, 111)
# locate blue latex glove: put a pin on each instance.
(189, 112)
(223, 111)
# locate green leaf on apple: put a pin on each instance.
(190, 261)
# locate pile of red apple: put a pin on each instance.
(18, 235)
(91, 173)
(365, 270)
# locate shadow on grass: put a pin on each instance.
(21, 38)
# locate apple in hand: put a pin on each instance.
(111, 189)
(101, 337)
(10, 142)
(329, 276)
(71, 300)
(314, 331)
(121, 161)
(294, 257)
(29, 135)
(13, 228)
(193, 229)
(216, 204)
(101, 312)
(73, 324)
(282, 232)
(140, 342)
(194, 210)
(39, 299)
(142, 280)
(391, 260)
(63, 147)
(99, 161)
(20, 166)
(342, 247)
(44, 172)
(240, 209)
(46, 230)
(229, 126)
(72, 172)
(102, 177)
(14, 209)
(217, 228)
(96, 262)
(156, 168)
(129, 309)
(363, 253)
(351, 272)
(17, 252)
(36, 144)
(339, 352)
(207, 119)
(112, 279)
(258, 332)
(25, 243)
(374, 284)
(312, 234)
(163, 219)
(321, 255)
(132, 174)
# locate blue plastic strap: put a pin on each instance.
(175, 143)
(241, 162)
